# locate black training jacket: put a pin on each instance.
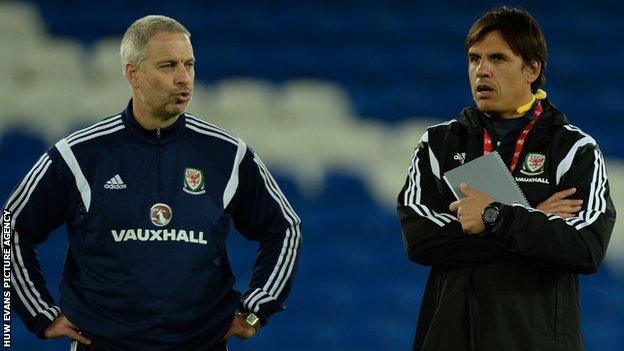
(515, 288)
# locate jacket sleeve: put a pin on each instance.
(36, 206)
(263, 214)
(432, 234)
(577, 244)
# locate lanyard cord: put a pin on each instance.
(487, 139)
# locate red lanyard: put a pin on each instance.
(487, 139)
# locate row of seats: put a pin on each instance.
(389, 55)
(338, 144)
(397, 67)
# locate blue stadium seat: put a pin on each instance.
(397, 60)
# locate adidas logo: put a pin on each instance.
(115, 183)
(461, 157)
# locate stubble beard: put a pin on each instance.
(488, 108)
(171, 110)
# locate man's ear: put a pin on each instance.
(533, 70)
(132, 74)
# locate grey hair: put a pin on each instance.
(139, 33)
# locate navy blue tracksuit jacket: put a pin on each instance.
(147, 214)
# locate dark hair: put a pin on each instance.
(521, 32)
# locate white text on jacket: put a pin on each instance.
(159, 235)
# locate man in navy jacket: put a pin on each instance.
(148, 196)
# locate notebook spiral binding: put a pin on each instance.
(504, 166)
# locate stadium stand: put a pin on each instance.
(333, 96)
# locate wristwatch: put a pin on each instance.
(250, 319)
(490, 215)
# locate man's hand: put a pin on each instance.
(240, 329)
(558, 205)
(469, 209)
(61, 326)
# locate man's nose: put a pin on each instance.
(483, 69)
(183, 76)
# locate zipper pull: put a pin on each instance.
(158, 133)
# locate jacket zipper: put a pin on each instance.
(158, 140)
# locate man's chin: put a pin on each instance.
(176, 108)
(485, 106)
(482, 107)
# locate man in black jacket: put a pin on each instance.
(505, 276)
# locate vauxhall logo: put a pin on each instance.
(160, 215)
(189, 236)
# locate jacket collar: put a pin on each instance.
(521, 121)
(471, 117)
(151, 135)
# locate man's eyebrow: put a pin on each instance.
(489, 54)
(165, 61)
(497, 53)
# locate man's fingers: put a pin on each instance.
(558, 205)
(553, 206)
(563, 204)
(454, 206)
(227, 334)
(231, 332)
(246, 333)
(61, 326)
(568, 209)
(570, 203)
(469, 227)
(567, 202)
(72, 333)
(465, 189)
(560, 196)
(563, 193)
(565, 215)
(564, 211)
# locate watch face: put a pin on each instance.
(252, 319)
(490, 214)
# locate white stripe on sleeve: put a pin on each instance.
(232, 184)
(288, 255)
(566, 163)
(21, 281)
(72, 163)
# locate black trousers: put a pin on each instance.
(76, 346)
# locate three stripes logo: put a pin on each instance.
(115, 183)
